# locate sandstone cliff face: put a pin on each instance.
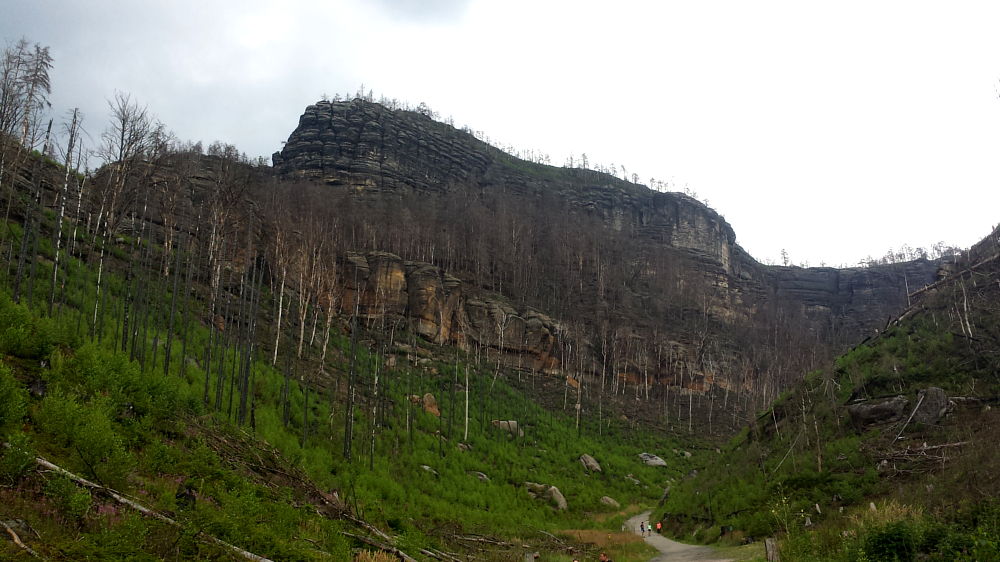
(437, 308)
(380, 153)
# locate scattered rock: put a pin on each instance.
(556, 497)
(550, 493)
(590, 463)
(665, 496)
(431, 405)
(652, 460)
(687, 454)
(509, 426)
(482, 477)
(429, 469)
(463, 447)
(867, 414)
(935, 405)
(608, 500)
(632, 479)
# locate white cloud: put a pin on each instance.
(834, 131)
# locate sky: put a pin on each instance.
(833, 131)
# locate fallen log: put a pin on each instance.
(386, 547)
(17, 540)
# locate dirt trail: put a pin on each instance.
(673, 551)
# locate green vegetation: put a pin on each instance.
(836, 488)
(122, 424)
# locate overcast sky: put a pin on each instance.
(833, 130)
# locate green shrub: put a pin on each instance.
(18, 460)
(72, 500)
(13, 400)
(891, 543)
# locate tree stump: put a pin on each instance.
(771, 550)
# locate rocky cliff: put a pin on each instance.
(381, 154)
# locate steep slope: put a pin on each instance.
(906, 422)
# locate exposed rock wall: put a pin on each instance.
(440, 309)
(378, 152)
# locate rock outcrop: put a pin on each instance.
(549, 493)
(590, 463)
(934, 405)
(430, 405)
(866, 414)
(684, 252)
(510, 426)
(608, 500)
(652, 460)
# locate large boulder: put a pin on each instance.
(590, 463)
(934, 405)
(608, 500)
(509, 426)
(431, 405)
(549, 493)
(555, 496)
(652, 460)
(866, 414)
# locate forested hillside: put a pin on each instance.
(887, 453)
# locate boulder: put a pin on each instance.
(431, 405)
(482, 477)
(550, 493)
(555, 496)
(608, 500)
(590, 463)
(509, 426)
(429, 469)
(535, 488)
(887, 410)
(652, 460)
(934, 405)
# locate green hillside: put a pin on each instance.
(839, 475)
(414, 481)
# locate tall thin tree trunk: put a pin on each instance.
(62, 213)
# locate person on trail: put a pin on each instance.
(659, 526)
(642, 529)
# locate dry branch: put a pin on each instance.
(17, 539)
(386, 547)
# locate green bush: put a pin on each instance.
(72, 500)
(13, 400)
(18, 460)
(891, 543)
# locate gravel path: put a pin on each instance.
(673, 551)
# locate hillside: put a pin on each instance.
(112, 452)
(890, 451)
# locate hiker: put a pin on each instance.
(659, 526)
(642, 529)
